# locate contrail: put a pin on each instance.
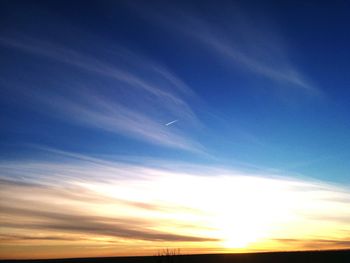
(172, 122)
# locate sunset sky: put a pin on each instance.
(128, 127)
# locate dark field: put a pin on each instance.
(312, 256)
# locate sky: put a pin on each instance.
(128, 127)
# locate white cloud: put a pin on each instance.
(235, 37)
(139, 98)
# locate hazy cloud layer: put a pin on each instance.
(100, 201)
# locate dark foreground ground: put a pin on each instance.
(283, 257)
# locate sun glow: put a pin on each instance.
(151, 208)
(236, 210)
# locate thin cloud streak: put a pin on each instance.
(315, 244)
(138, 114)
(170, 123)
(236, 41)
(66, 223)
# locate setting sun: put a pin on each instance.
(229, 212)
(137, 127)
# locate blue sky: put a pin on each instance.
(258, 83)
(256, 87)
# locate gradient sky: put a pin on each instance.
(133, 126)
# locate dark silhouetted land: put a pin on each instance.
(283, 257)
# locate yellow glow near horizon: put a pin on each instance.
(239, 209)
(156, 208)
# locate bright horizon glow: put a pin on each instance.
(128, 127)
(210, 210)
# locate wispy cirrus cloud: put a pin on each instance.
(81, 199)
(126, 94)
(245, 41)
(93, 225)
(316, 244)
